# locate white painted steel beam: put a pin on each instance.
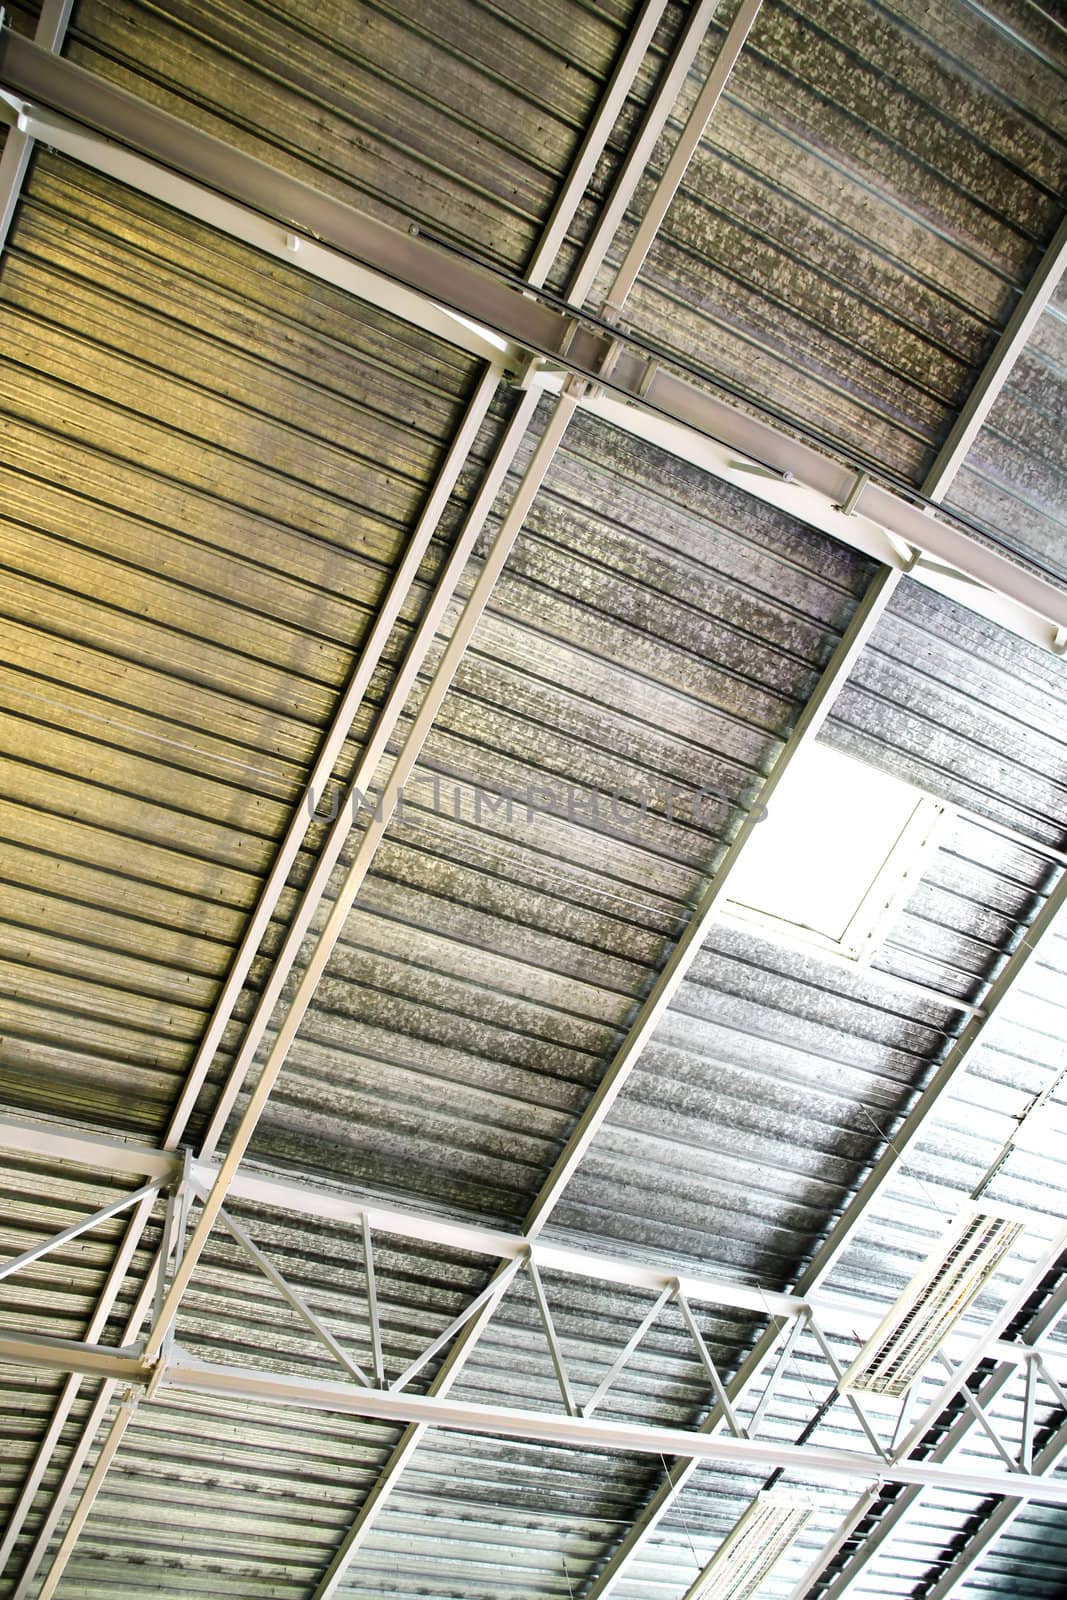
(683, 152)
(848, 1224)
(18, 147)
(185, 1374)
(73, 1355)
(651, 402)
(640, 150)
(36, 1252)
(995, 1526)
(284, 1192)
(67, 1141)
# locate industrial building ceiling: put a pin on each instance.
(534, 798)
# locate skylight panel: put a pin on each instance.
(840, 850)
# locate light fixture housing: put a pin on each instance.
(955, 1271)
(754, 1546)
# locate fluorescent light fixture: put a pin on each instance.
(753, 1546)
(841, 848)
(913, 1329)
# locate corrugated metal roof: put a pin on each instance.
(218, 464)
(1012, 482)
(226, 1503)
(563, 1505)
(464, 119)
(194, 554)
(623, 653)
(871, 196)
(944, 699)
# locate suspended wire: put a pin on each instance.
(700, 1564)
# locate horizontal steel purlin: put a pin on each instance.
(66, 1142)
(182, 1374)
(647, 400)
(185, 1374)
(69, 1355)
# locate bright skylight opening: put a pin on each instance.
(840, 849)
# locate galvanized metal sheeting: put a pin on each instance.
(195, 553)
(873, 191)
(1012, 482)
(219, 464)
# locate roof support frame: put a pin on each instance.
(313, 892)
(670, 1292)
(833, 677)
(293, 841)
(683, 152)
(639, 394)
(978, 1414)
(354, 1212)
(566, 207)
(185, 1374)
(295, 1300)
(848, 1224)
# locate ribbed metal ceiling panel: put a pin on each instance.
(1012, 481)
(194, 554)
(512, 968)
(463, 119)
(872, 194)
(226, 1503)
(945, 700)
(219, 462)
(567, 1505)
